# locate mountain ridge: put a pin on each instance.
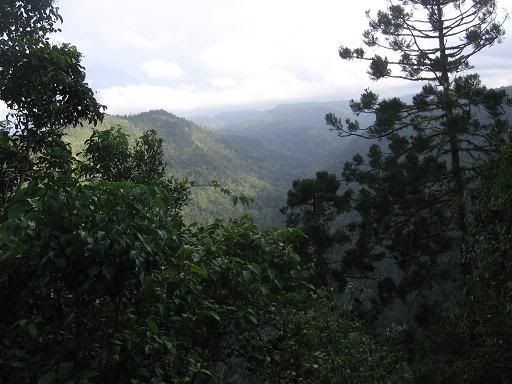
(255, 152)
(246, 163)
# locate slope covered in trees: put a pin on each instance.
(257, 154)
(202, 156)
(295, 134)
(101, 280)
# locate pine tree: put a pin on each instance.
(412, 199)
(313, 205)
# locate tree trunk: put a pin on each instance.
(451, 125)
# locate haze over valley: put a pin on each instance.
(255, 152)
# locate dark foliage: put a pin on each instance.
(312, 206)
(412, 190)
(43, 84)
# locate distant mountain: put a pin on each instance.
(257, 153)
(296, 134)
(203, 155)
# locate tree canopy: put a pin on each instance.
(413, 189)
(102, 281)
(43, 85)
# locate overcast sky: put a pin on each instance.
(190, 56)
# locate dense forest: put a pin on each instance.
(255, 153)
(308, 243)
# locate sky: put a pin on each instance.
(193, 56)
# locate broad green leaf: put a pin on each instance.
(198, 269)
(18, 208)
(152, 326)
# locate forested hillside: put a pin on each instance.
(258, 157)
(296, 135)
(202, 156)
(256, 153)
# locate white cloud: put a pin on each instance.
(223, 92)
(160, 69)
(238, 56)
(135, 39)
(496, 77)
(228, 52)
(223, 82)
(3, 111)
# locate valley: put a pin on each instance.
(255, 153)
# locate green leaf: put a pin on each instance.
(246, 275)
(169, 345)
(264, 290)
(48, 378)
(152, 326)
(22, 322)
(213, 314)
(252, 318)
(18, 208)
(255, 268)
(32, 329)
(206, 372)
(90, 374)
(198, 269)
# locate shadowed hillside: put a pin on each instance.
(258, 154)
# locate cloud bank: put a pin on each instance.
(197, 55)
